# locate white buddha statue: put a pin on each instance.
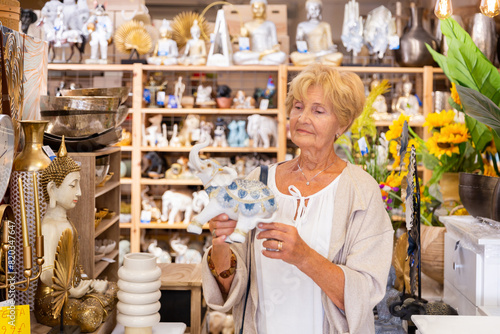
(165, 52)
(264, 47)
(380, 104)
(407, 103)
(314, 39)
(195, 52)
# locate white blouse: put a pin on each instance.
(289, 300)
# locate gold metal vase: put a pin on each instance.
(32, 159)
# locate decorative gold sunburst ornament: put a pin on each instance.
(64, 266)
(131, 36)
(181, 27)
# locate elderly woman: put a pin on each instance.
(323, 265)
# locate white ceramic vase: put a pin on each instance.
(139, 293)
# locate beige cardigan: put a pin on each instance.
(361, 244)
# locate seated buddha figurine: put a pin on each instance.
(89, 301)
(408, 103)
(165, 52)
(317, 35)
(264, 47)
(195, 52)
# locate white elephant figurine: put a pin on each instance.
(263, 130)
(246, 201)
(175, 202)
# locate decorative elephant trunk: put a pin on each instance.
(246, 201)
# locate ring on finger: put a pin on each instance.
(214, 234)
(280, 245)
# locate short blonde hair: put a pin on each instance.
(344, 90)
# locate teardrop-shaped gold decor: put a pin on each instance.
(181, 27)
(132, 35)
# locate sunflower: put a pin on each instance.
(438, 147)
(454, 133)
(396, 128)
(454, 94)
(437, 120)
(394, 180)
(488, 169)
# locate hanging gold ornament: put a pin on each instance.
(181, 27)
(132, 35)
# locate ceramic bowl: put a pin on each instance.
(105, 246)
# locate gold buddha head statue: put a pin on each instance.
(60, 181)
(258, 8)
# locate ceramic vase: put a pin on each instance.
(139, 293)
(32, 159)
(449, 187)
(412, 51)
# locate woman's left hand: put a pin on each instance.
(283, 242)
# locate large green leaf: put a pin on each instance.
(440, 60)
(480, 107)
(479, 132)
(466, 64)
(496, 139)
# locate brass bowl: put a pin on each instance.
(81, 116)
(121, 92)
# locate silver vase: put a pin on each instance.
(412, 50)
(482, 32)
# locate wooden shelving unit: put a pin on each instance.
(423, 83)
(94, 196)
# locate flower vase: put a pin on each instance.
(449, 187)
(412, 51)
(139, 293)
(31, 160)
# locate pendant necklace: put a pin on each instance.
(312, 178)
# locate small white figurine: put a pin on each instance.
(195, 52)
(263, 130)
(161, 255)
(100, 28)
(175, 141)
(380, 104)
(204, 96)
(165, 52)
(206, 131)
(220, 137)
(407, 103)
(174, 203)
(179, 89)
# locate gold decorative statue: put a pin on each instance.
(314, 39)
(264, 47)
(84, 303)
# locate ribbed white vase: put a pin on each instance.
(139, 293)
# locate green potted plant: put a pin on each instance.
(477, 83)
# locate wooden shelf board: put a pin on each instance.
(165, 226)
(102, 265)
(89, 67)
(105, 224)
(368, 69)
(211, 149)
(234, 68)
(171, 182)
(101, 152)
(125, 225)
(107, 187)
(389, 122)
(208, 111)
(126, 180)
(127, 148)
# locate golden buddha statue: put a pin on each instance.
(165, 51)
(82, 302)
(317, 36)
(264, 46)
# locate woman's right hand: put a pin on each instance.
(220, 227)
